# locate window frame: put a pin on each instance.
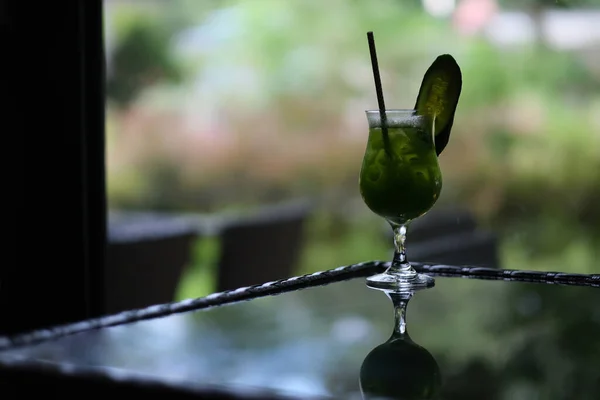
(57, 96)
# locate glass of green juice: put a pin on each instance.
(400, 180)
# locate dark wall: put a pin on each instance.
(55, 92)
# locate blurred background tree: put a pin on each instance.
(263, 101)
(140, 59)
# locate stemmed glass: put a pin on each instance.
(400, 180)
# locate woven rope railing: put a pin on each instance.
(291, 284)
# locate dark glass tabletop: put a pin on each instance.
(491, 338)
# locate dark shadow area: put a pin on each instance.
(56, 96)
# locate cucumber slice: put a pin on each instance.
(438, 97)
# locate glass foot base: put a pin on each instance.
(398, 283)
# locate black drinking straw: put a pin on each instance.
(379, 90)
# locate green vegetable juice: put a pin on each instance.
(405, 182)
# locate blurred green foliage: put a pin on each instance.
(520, 4)
(286, 84)
(140, 59)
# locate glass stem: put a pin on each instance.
(400, 301)
(400, 264)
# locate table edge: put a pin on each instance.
(17, 372)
